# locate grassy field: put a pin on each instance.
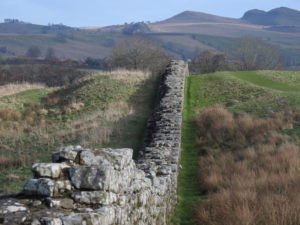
(259, 93)
(100, 110)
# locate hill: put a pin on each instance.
(196, 17)
(276, 17)
(181, 36)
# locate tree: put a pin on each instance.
(33, 52)
(207, 62)
(61, 37)
(254, 53)
(50, 54)
(138, 53)
(95, 63)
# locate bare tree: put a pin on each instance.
(33, 52)
(50, 54)
(254, 53)
(138, 53)
(208, 62)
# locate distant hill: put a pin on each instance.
(196, 17)
(181, 36)
(276, 17)
(28, 28)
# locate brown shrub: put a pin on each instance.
(9, 162)
(10, 114)
(256, 180)
(219, 129)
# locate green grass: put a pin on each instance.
(188, 194)
(20, 100)
(13, 185)
(263, 81)
(121, 106)
(257, 93)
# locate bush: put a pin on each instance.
(250, 175)
(51, 75)
(218, 128)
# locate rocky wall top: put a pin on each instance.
(105, 186)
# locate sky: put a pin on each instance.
(78, 13)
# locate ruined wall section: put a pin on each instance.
(106, 186)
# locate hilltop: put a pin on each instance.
(194, 17)
(276, 17)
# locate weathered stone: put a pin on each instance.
(94, 178)
(12, 207)
(35, 222)
(65, 203)
(36, 203)
(69, 153)
(51, 170)
(75, 219)
(52, 221)
(39, 187)
(120, 158)
(88, 158)
(62, 186)
(104, 215)
(95, 197)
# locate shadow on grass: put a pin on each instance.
(129, 131)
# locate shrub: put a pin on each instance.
(251, 174)
(9, 114)
(219, 129)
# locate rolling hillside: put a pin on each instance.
(181, 36)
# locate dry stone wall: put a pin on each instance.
(106, 186)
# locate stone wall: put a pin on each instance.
(106, 186)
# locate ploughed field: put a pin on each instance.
(96, 110)
(240, 149)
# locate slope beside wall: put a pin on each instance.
(105, 186)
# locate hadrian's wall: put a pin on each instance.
(105, 186)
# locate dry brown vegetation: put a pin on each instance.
(11, 89)
(96, 129)
(131, 76)
(248, 169)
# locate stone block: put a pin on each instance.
(95, 197)
(69, 153)
(51, 170)
(94, 178)
(39, 187)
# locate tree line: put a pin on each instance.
(138, 52)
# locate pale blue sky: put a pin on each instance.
(107, 12)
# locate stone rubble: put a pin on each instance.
(106, 186)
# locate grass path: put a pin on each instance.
(260, 80)
(187, 188)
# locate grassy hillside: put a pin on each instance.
(180, 36)
(260, 94)
(77, 44)
(101, 109)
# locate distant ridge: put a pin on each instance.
(196, 17)
(282, 16)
